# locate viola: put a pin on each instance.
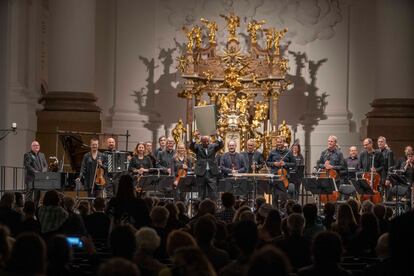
(333, 197)
(100, 176)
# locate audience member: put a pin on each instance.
(345, 224)
(98, 223)
(147, 242)
(227, 214)
(8, 216)
(118, 266)
(51, 215)
(159, 218)
(190, 261)
(312, 223)
(182, 213)
(59, 255)
(30, 223)
(271, 228)
(74, 224)
(269, 261)
(122, 241)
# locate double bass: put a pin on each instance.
(373, 179)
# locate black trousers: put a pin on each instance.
(207, 186)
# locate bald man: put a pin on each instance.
(252, 158)
(206, 167)
(232, 162)
(34, 162)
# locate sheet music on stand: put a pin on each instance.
(362, 187)
(187, 184)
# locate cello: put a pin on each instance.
(328, 173)
(373, 179)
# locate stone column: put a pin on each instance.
(70, 101)
(392, 113)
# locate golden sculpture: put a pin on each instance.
(182, 63)
(178, 132)
(235, 80)
(269, 37)
(197, 36)
(212, 29)
(232, 23)
(241, 104)
(277, 36)
(252, 28)
(285, 132)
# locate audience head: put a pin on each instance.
(269, 261)
(246, 236)
(147, 240)
(401, 239)
(84, 207)
(345, 216)
(99, 204)
(247, 215)
(288, 206)
(18, 199)
(327, 248)
(383, 248)
(118, 266)
(28, 255)
(69, 203)
(369, 224)
(179, 239)
(259, 202)
(297, 208)
(159, 216)
(310, 212)
(173, 210)
(379, 211)
(227, 199)
(273, 222)
(207, 206)
(125, 188)
(355, 207)
(190, 261)
(181, 208)
(59, 253)
(239, 211)
(5, 245)
(329, 209)
(51, 198)
(29, 208)
(367, 207)
(122, 241)
(205, 229)
(263, 212)
(7, 200)
(295, 224)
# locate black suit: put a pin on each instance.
(235, 161)
(365, 161)
(255, 157)
(33, 163)
(206, 168)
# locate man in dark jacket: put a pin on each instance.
(34, 162)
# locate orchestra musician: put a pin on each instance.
(182, 165)
(148, 152)
(388, 157)
(88, 174)
(253, 158)
(352, 162)
(232, 162)
(297, 172)
(279, 161)
(365, 158)
(407, 151)
(110, 155)
(34, 162)
(140, 163)
(332, 158)
(162, 141)
(402, 180)
(206, 167)
(165, 157)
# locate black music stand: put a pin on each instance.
(148, 182)
(400, 189)
(237, 186)
(362, 187)
(311, 185)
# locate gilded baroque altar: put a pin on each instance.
(244, 87)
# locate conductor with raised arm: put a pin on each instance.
(206, 167)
